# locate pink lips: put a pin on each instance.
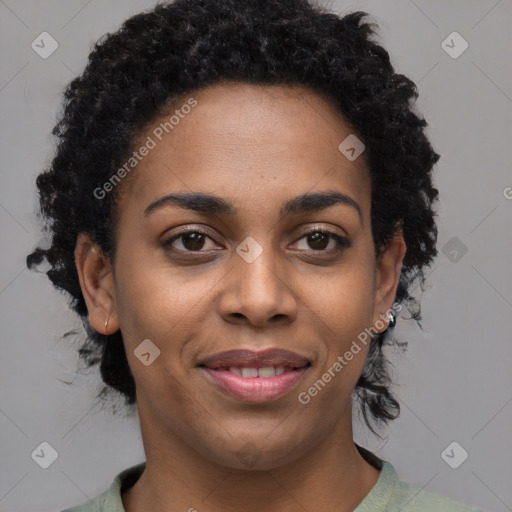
(255, 389)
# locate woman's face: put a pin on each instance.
(252, 276)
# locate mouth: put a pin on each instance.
(255, 376)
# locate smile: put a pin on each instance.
(255, 384)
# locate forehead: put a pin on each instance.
(248, 141)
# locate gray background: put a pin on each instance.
(454, 382)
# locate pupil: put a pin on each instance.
(197, 241)
(317, 238)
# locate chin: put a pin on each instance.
(255, 456)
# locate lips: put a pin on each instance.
(255, 376)
(250, 359)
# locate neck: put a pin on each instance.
(330, 476)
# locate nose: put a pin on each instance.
(258, 292)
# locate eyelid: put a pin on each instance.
(323, 229)
(342, 241)
(189, 228)
(193, 228)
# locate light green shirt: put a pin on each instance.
(389, 494)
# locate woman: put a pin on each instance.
(240, 201)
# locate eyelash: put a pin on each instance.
(342, 242)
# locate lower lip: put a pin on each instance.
(255, 389)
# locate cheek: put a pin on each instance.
(155, 299)
(343, 312)
(166, 306)
(344, 299)
(153, 304)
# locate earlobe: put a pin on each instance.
(389, 267)
(97, 284)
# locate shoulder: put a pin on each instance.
(94, 505)
(410, 498)
(414, 499)
(390, 494)
(110, 500)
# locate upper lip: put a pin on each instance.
(250, 359)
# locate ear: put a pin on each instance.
(389, 266)
(97, 284)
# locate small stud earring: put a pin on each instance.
(391, 319)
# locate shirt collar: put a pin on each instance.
(375, 501)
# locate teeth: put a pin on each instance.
(249, 372)
(266, 372)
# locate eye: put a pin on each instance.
(318, 240)
(194, 240)
(191, 240)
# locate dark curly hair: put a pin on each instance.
(135, 73)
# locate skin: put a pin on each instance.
(257, 147)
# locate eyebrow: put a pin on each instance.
(208, 203)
